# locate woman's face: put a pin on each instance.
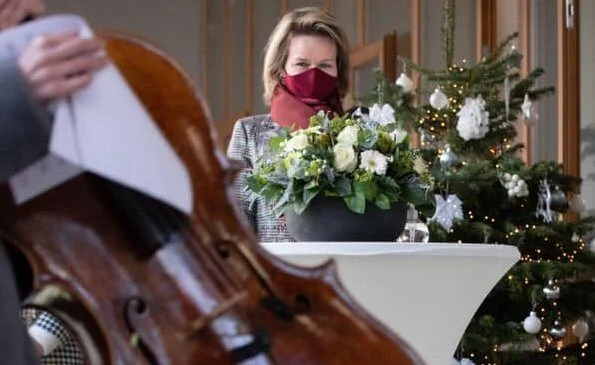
(309, 51)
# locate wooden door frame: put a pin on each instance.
(568, 90)
(486, 20)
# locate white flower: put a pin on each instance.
(315, 130)
(345, 159)
(374, 161)
(348, 135)
(473, 122)
(398, 135)
(297, 143)
(419, 165)
(382, 115)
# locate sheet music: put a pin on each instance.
(103, 129)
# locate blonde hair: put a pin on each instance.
(308, 20)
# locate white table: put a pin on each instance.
(427, 293)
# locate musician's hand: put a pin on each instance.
(37, 347)
(59, 64)
(11, 13)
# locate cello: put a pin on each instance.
(138, 282)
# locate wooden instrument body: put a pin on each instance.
(199, 298)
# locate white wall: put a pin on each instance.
(587, 102)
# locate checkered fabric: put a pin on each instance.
(248, 141)
(68, 352)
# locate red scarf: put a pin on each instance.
(288, 110)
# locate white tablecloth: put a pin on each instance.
(427, 293)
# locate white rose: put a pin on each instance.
(348, 135)
(345, 159)
(297, 143)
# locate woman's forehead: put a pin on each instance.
(306, 45)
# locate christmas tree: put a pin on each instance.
(539, 313)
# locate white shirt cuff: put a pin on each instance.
(48, 341)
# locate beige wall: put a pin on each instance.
(176, 29)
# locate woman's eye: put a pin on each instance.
(302, 64)
(325, 65)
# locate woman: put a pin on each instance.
(306, 68)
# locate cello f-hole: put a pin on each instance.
(302, 304)
(136, 315)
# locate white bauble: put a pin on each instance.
(466, 361)
(405, 82)
(532, 324)
(438, 100)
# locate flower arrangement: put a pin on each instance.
(362, 159)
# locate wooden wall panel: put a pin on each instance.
(294, 4)
(346, 13)
(544, 135)
(250, 58)
(486, 27)
(215, 59)
(266, 16)
(238, 56)
(398, 20)
(204, 48)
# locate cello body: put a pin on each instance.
(139, 283)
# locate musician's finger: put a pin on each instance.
(53, 39)
(64, 87)
(70, 48)
(4, 3)
(75, 66)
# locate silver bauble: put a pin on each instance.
(449, 159)
(557, 331)
(558, 201)
(427, 138)
(551, 291)
(580, 329)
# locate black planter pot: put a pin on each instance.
(329, 219)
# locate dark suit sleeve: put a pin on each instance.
(15, 345)
(24, 125)
(24, 136)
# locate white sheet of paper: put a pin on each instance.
(103, 129)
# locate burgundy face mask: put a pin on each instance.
(312, 84)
